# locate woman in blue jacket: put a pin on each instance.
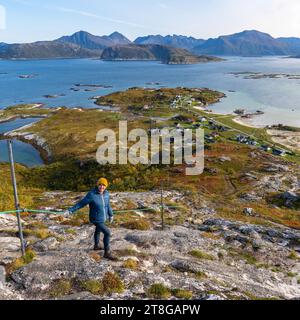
(98, 200)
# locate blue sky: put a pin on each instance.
(31, 20)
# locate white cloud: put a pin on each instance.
(199, 18)
(96, 16)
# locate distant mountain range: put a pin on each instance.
(113, 47)
(89, 41)
(168, 49)
(44, 50)
(292, 43)
(188, 43)
(247, 43)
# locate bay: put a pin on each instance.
(16, 124)
(24, 153)
(278, 98)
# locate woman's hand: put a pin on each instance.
(66, 214)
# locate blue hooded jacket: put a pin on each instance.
(100, 209)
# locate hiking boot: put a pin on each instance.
(98, 247)
(108, 255)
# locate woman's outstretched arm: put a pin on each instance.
(82, 203)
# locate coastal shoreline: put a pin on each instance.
(204, 109)
(246, 123)
(237, 119)
(290, 139)
(287, 138)
(24, 134)
(13, 118)
(36, 142)
(23, 116)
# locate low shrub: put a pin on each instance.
(93, 286)
(131, 264)
(182, 294)
(112, 283)
(60, 288)
(142, 225)
(201, 255)
(21, 262)
(159, 291)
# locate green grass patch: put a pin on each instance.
(201, 255)
(60, 288)
(293, 255)
(71, 231)
(142, 225)
(112, 283)
(243, 255)
(93, 286)
(131, 264)
(77, 219)
(159, 291)
(21, 262)
(182, 294)
(292, 274)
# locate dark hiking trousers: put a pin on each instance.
(101, 227)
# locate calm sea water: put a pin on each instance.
(15, 124)
(23, 153)
(278, 98)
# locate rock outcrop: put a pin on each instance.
(217, 259)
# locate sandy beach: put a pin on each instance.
(288, 138)
(247, 122)
(204, 109)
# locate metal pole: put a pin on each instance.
(17, 204)
(162, 207)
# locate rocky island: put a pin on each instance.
(165, 54)
(259, 75)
